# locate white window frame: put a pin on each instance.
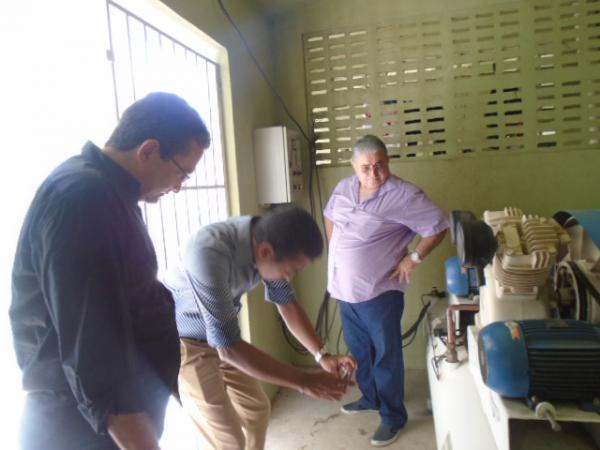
(145, 39)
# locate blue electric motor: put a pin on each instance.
(461, 282)
(550, 359)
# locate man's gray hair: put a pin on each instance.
(369, 143)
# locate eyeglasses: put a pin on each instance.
(366, 168)
(186, 176)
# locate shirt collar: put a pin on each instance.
(126, 183)
(245, 254)
(387, 186)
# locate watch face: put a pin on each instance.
(415, 257)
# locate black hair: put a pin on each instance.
(162, 116)
(291, 231)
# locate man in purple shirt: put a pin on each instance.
(370, 220)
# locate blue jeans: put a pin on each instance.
(373, 334)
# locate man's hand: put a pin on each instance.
(404, 269)
(338, 365)
(323, 385)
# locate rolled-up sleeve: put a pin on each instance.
(328, 212)
(422, 215)
(80, 269)
(279, 292)
(208, 274)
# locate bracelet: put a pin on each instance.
(320, 354)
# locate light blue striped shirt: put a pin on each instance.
(217, 267)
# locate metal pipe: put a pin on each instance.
(545, 410)
(451, 355)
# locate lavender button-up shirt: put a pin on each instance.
(371, 237)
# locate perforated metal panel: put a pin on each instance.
(519, 77)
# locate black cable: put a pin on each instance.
(260, 69)
(291, 340)
(410, 341)
(310, 140)
(411, 333)
(415, 326)
(409, 337)
(334, 314)
(323, 325)
(337, 344)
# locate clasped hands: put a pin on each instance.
(332, 382)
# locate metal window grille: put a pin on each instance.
(516, 77)
(145, 59)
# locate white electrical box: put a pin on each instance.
(278, 163)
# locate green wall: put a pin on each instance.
(537, 183)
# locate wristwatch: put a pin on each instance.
(319, 355)
(415, 257)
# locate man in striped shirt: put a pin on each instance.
(219, 374)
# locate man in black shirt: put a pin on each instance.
(94, 331)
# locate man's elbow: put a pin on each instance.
(228, 354)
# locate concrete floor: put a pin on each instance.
(300, 423)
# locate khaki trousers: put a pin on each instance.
(228, 407)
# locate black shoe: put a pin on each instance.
(385, 435)
(355, 408)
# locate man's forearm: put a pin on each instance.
(426, 245)
(300, 325)
(262, 366)
(328, 228)
(133, 431)
(258, 364)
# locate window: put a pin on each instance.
(59, 89)
(145, 59)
